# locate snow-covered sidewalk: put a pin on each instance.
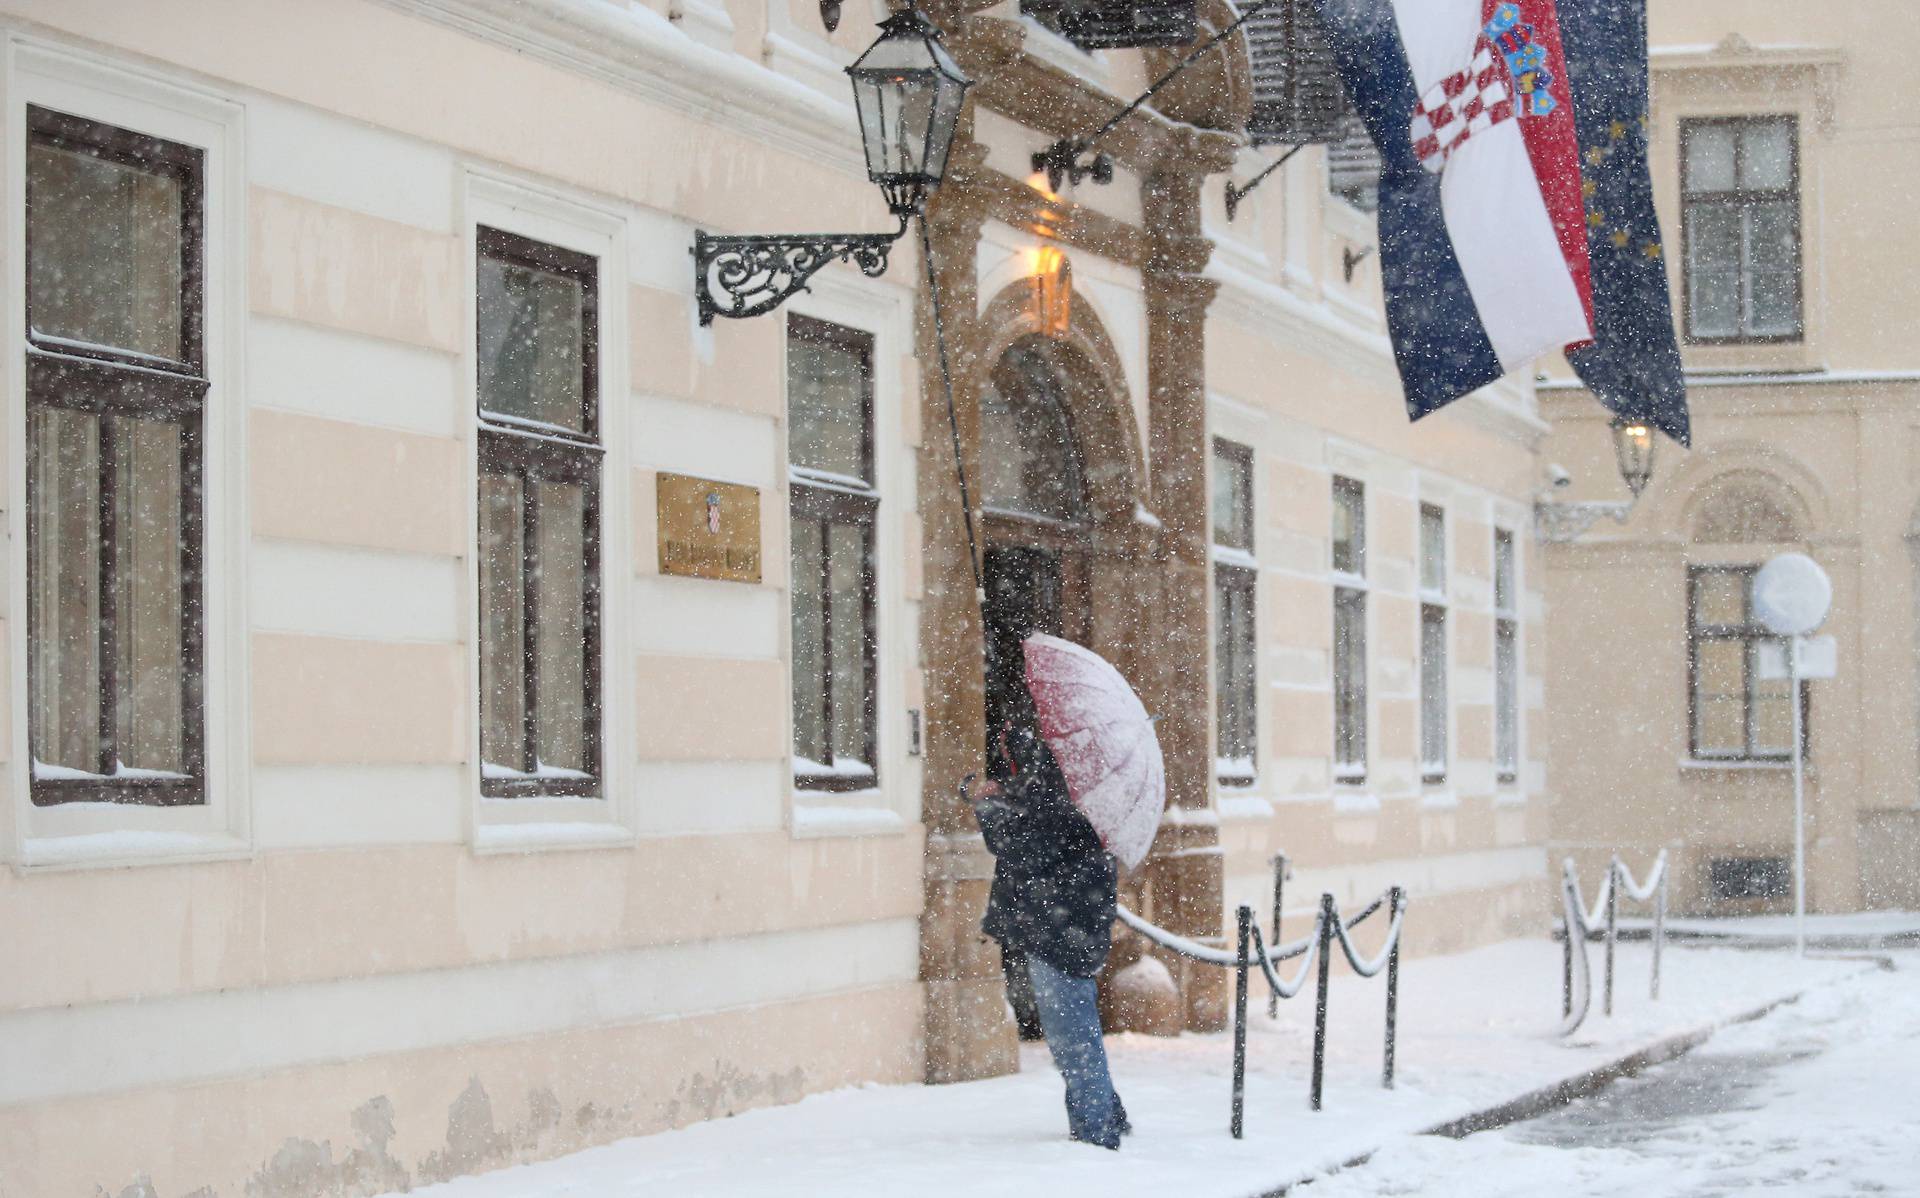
(1476, 1031)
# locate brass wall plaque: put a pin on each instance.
(709, 529)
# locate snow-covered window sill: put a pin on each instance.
(128, 846)
(1509, 796)
(1354, 801)
(814, 821)
(1245, 807)
(1439, 800)
(557, 834)
(1740, 764)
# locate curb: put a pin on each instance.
(1551, 1097)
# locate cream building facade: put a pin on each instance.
(420, 821)
(1803, 378)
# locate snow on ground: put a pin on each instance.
(1819, 1098)
(1476, 1030)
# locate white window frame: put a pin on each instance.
(1350, 773)
(158, 104)
(536, 210)
(884, 313)
(1242, 567)
(1433, 609)
(1506, 624)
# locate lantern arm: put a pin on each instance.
(1238, 192)
(743, 275)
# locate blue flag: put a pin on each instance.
(1633, 365)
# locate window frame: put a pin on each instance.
(832, 500)
(108, 383)
(1350, 589)
(1750, 634)
(1506, 630)
(529, 451)
(1740, 198)
(1433, 612)
(1236, 574)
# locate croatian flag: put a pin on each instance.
(1483, 247)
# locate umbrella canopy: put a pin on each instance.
(1103, 740)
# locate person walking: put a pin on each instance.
(1052, 902)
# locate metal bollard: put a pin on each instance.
(1394, 903)
(1614, 870)
(1659, 932)
(1566, 964)
(1280, 871)
(1328, 914)
(1244, 917)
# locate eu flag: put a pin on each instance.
(1633, 364)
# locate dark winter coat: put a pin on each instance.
(1053, 883)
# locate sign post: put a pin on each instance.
(1791, 596)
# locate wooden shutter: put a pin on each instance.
(1353, 166)
(1297, 96)
(1117, 24)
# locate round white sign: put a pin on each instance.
(1791, 595)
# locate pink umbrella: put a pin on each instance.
(1104, 741)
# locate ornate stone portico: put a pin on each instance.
(1145, 544)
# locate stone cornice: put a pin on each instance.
(639, 51)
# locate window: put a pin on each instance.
(1506, 658)
(1234, 644)
(1736, 714)
(1748, 878)
(1741, 223)
(1353, 166)
(831, 483)
(1349, 631)
(115, 392)
(539, 537)
(1433, 644)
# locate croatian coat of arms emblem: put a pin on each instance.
(1507, 77)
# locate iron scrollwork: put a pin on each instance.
(738, 276)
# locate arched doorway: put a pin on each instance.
(1037, 517)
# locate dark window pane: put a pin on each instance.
(1506, 698)
(1720, 598)
(827, 392)
(1772, 713)
(1773, 245)
(149, 730)
(1349, 527)
(847, 552)
(1766, 155)
(1720, 698)
(106, 251)
(1350, 683)
(503, 739)
(1234, 671)
(809, 646)
(532, 344)
(64, 554)
(1028, 454)
(1232, 497)
(560, 603)
(1710, 157)
(1433, 692)
(1433, 549)
(1504, 571)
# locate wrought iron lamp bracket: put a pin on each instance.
(743, 275)
(1061, 163)
(1560, 522)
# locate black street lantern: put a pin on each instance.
(908, 91)
(1633, 450)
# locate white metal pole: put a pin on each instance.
(1799, 803)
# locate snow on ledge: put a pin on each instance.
(1245, 807)
(817, 820)
(556, 834)
(128, 846)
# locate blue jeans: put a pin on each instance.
(1070, 1017)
